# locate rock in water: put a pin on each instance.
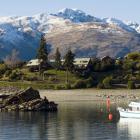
(27, 100)
(28, 95)
(23, 96)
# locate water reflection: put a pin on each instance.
(23, 125)
(129, 127)
(73, 121)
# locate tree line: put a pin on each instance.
(42, 56)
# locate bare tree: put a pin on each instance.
(12, 60)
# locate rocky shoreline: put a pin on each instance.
(92, 95)
(116, 95)
(26, 100)
(9, 90)
(118, 98)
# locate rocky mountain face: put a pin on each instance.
(72, 29)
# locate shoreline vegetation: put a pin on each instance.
(70, 72)
(116, 77)
(7, 85)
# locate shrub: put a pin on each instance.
(3, 69)
(90, 82)
(8, 72)
(80, 84)
(15, 75)
(88, 85)
(58, 87)
(100, 86)
(67, 86)
(52, 79)
(134, 56)
(107, 82)
(131, 85)
(50, 86)
(138, 76)
(128, 65)
(31, 78)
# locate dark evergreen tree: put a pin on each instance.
(96, 64)
(57, 59)
(107, 64)
(42, 53)
(68, 64)
(69, 60)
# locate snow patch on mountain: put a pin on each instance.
(45, 23)
(119, 23)
(76, 15)
(133, 25)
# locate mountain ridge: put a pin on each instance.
(85, 34)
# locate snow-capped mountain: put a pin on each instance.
(76, 15)
(68, 28)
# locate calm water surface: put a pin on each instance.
(73, 121)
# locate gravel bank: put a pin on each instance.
(91, 95)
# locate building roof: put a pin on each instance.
(79, 62)
(33, 62)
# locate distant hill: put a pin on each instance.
(86, 35)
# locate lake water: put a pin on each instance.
(73, 121)
(80, 116)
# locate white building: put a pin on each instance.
(34, 63)
(82, 62)
(79, 63)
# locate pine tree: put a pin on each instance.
(68, 64)
(69, 60)
(42, 53)
(57, 59)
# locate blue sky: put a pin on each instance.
(122, 9)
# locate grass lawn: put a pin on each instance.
(52, 80)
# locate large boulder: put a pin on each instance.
(21, 97)
(11, 100)
(27, 100)
(28, 95)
